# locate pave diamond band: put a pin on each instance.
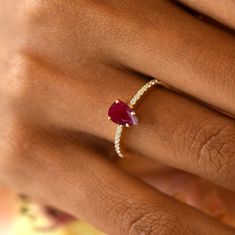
(124, 115)
(117, 141)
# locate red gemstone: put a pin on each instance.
(122, 114)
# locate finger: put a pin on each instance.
(173, 129)
(81, 182)
(160, 40)
(198, 61)
(195, 191)
(185, 135)
(222, 11)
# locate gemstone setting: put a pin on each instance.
(122, 114)
(119, 107)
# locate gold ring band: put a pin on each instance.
(130, 111)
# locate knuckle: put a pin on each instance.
(38, 17)
(20, 149)
(149, 224)
(60, 13)
(22, 90)
(37, 10)
(14, 142)
(20, 82)
(68, 19)
(144, 220)
(12, 146)
(214, 151)
(219, 151)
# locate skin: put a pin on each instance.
(64, 62)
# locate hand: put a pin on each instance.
(67, 61)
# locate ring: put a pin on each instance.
(124, 114)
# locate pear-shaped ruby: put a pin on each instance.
(122, 114)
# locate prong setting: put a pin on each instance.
(133, 102)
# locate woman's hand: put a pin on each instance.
(65, 62)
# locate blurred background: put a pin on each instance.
(19, 217)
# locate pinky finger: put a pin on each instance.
(77, 179)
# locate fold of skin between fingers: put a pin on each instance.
(223, 11)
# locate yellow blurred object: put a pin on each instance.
(22, 226)
(81, 228)
(12, 222)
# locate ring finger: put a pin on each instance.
(173, 129)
